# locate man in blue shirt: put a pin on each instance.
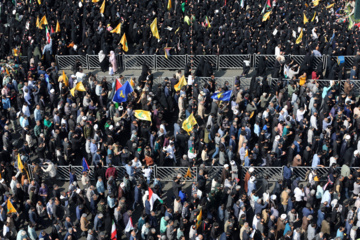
(316, 161)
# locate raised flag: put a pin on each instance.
(47, 34)
(152, 198)
(330, 6)
(222, 96)
(268, 4)
(124, 44)
(242, 3)
(207, 23)
(122, 93)
(154, 29)
(37, 22)
(57, 29)
(189, 123)
(7, 71)
(198, 219)
(306, 20)
(169, 6)
(65, 79)
(313, 17)
(299, 39)
(129, 225)
(351, 23)
(117, 29)
(10, 207)
(71, 45)
(266, 16)
(85, 165)
(42, 22)
(188, 173)
(102, 8)
(39, 2)
(167, 52)
(182, 82)
(21, 167)
(113, 231)
(117, 84)
(142, 115)
(315, 2)
(80, 87)
(72, 91)
(183, 7)
(95, 1)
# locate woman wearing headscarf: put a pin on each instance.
(113, 61)
(103, 61)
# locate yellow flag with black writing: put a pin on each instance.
(143, 115)
(80, 87)
(124, 44)
(57, 29)
(117, 29)
(72, 91)
(189, 123)
(330, 6)
(188, 174)
(102, 8)
(10, 207)
(65, 79)
(182, 82)
(21, 167)
(42, 22)
(306, 20)
(154, 29)
(299, 39)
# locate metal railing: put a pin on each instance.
(169, 173)
(158, 62)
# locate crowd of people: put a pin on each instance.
(47, 121)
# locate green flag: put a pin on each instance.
(183, 6)
(351, 23)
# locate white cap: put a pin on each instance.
(120, 108)
(202, 93)
(232, 162)
(273, 197)
(111, 127)
(236, 112)
(78, 191)
(251, 169)
(226, 165)
(347, 137)
(356, 152)
(252, 179)
(277, 137)
(149, 98)
(84, 118)
(52, 91)
(122, 184)
(96, 127)
(283, 216)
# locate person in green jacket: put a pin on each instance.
(37, 129)
(163, 224)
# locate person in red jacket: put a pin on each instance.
(111, 171)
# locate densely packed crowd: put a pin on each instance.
(187, 27)
(49, 119)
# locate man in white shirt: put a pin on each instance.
(300, 114)
(136, 163)
(80, 75)
(313, 121)
(299, 195)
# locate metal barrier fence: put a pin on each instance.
(168, 173)
(157, 62)
(67, 62)
(233, 61)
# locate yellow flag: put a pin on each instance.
(198, 219)
(305, 19)
(154, 29)
(43, 21)
(102, 8)
(37, 21)
(57, 29)
(330, 6)
(169, 6)
(188, 174)
(95, 1)
(117, 29)
(182, 82)
(187, 20)
(299, 39)
(39, 2)
(189, 123)
(80, 87)
(72, 91)
(143, 115)
(313, 17)
(316, 2)
(10, 207)
(266, 16)
(21, 167)
(65, 79)
(124, 44)
(7, 71)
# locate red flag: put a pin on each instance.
(117, 84)
(268, 3)
(52, 30)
